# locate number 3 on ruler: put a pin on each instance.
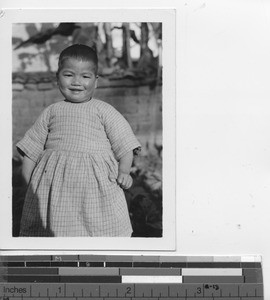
(199, 290)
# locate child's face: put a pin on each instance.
(77, 80)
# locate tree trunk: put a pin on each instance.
(126, 45)
(144, 37)
(109, 46)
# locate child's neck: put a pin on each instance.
(87, 100)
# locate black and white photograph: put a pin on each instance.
(88, 124)
(136, 133)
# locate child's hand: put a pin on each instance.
(124, 180)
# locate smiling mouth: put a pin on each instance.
(75, 90)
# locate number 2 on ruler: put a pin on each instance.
(128, 290)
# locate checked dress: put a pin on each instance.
(73, 189)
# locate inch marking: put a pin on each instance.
(217, 286)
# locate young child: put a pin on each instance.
(77, 159)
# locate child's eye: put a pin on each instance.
(67, 75)
(86, 76)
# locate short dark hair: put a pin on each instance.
(80, 52)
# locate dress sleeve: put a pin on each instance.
(33, 142)
(119, 133)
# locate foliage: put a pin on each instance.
(113, 42)
(145, 197)
(18, 194)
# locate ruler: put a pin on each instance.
(111, 277)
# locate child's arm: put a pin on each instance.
(124, 179)
(27, 168)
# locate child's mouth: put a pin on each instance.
(76, 91)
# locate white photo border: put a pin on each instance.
(168, 18)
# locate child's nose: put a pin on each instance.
(76, 80)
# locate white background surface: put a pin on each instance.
(223, 124)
